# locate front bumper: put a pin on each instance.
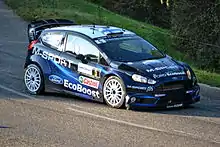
(165, 99)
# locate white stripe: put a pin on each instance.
(126, 123)
(16, 92)
(174, 132)
(17, 42)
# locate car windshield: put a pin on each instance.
(130, 50)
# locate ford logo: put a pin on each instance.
(174, 78)
(56, 79)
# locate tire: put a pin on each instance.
(33, 79)
(114, 92)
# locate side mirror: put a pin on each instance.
(82, 58)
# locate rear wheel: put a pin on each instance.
(33, 79)
(114, 92)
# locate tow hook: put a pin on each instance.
(129, 101)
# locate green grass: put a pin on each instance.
(84, 12)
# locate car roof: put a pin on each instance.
(94, 31)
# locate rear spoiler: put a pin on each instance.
(36, 27)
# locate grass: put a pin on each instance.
(84, 12)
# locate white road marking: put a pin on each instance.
(10, 41)
(174, 132)
(16, 92)
(137, 125)
(11, 16)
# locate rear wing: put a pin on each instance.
(36, 27)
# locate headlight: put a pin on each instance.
(141, 79)
(189, 75)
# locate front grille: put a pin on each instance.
(170, 86)
(175, 97)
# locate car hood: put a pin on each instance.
(155, 69)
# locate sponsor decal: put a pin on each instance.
(137, 87)
(129, 63)
(49, 56)
(174, 78)
(162, 68)
(89, 70)
(175, 106)
(89, 82)
(148, 89)
(168, 74)
(81, 89)
(160, 95)
(56, 79)
(189, 91)
(100, 41)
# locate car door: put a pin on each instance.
(82, 77)
(52, 47)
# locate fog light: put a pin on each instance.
(133, 99)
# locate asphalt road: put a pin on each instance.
(62, 121)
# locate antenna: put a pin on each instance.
(93, 28)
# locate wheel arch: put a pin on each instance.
(109, 75)
(43, 65)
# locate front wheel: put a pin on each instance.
(114, 92)
(33, 79)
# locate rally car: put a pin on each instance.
(106, 64)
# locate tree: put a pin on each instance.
(197, 25)
(150, 11)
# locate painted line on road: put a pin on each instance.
(16, 92)
(173, 132)
(17, 42)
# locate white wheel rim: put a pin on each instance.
(113, 92)
(32, 79)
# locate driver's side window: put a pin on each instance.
(70, 46)
(78, 45)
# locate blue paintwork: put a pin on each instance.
(60, 78)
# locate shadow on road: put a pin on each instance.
(202, 108)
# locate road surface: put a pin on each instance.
(64, 121)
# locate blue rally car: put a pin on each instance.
(105, 64)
